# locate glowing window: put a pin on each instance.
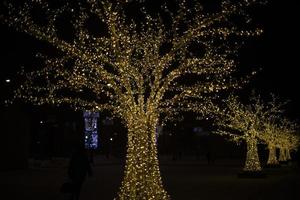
(91, 129)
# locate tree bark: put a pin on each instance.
(272, 159)
(282, 155)
(252, 163)
(288, 154)
(142, 179)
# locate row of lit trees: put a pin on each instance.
(138, 70)
(280, 135)
(254, 123)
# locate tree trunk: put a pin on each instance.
(282, 155)
(142, 180)
(287, 154)
(252, 160)
(272, 159)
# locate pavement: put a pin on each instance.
(184, 179)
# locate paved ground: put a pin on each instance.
(185, 179)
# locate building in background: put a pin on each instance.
(91, 129)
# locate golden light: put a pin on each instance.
(252, 123)
(126, 72)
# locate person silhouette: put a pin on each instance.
(79, 167)
(208, 157)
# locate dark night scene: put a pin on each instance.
(149, 100)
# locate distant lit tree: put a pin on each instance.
(278, 132)
(140, 70)
(245, 122)
(272, 140)
(287, 139)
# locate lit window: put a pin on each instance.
(91, 129)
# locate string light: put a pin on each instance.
(271, 138)
(287, 139)
(126, 72)
(252, 123)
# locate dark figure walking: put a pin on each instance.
(210, 157)
(79, 167)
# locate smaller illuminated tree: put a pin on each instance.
(278, 134)
(245, 123)
(283, 157)
(293, 145)
(271, 138)
(287, 139)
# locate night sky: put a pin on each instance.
(275, 52)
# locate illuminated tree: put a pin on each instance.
(135, 69)
(279, 133)
(287, 139)
(248, 123)
(271, 138)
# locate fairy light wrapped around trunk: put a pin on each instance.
(272, 158)
(271, 137)
(282, 155)
(252, 159)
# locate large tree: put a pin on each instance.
(140, 66)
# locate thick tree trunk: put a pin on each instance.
(272, 159)
(282, 155)
(142, 180)
(252, 160)
(288, 154)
